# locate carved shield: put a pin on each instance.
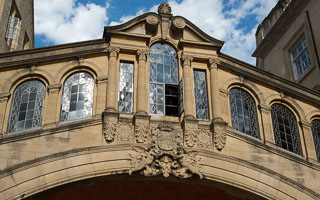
(166, 140)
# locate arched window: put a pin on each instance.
(315, 125)
(77, 97)
(285, 129)
(27, 106)
(243, 112)
(163, 80)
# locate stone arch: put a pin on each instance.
(55, 170)
(248, 85)
(289, 102)
(77, 66)
(24, 75)
(168, 41)
(313, 114)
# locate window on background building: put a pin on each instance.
(201, 94)
(300, 58)
(27, 106)
(12, 27)
(77, 97)
(125, 96)
(163, 80)
(285, 129)
(315, 125)
(243, 112)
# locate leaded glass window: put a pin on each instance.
(315, 125)
(27, 106)
(125, 96)
(201, 94)
(300, 58)
(285, 129)
(163, 79)
(77, 97)
(243, 112)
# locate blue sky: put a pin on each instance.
(233, 21)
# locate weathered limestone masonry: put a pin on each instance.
(110, 142)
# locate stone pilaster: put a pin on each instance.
(267, 124)
(112, 79)
(309, 149)
(52, 104)
(215, 100)
(101, 97)
(141, 92)
(3, 107)
(188, 97)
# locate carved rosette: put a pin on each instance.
(141, 132)
(109, 130)
(164, 8)
(125, 132)
(178, 23)
(204, 138)
(153, 20)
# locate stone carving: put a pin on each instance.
(187, 59)
(220, 139)
(152, 20)
(191, 137)
(142, 54)
(204, 138)
(178, 22)
(114, 51)
(125, 132)
(109, 130)
(165, 156)
(164, 8)
(141, 132)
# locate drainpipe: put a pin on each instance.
(313, 40)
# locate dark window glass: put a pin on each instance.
(26, 107)
(315, 124)
(285, 129)
(243, 112)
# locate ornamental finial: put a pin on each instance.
(164, 8)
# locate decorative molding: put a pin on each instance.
(220, 135)
(214, 62)
(164, 8)
(114, 51)
(4, 97)
(110, 125)
(165, 156)
(125, 132)
(142, 54)
(178, 23)
(204, 138)
(54, 88)
(153, 20)
(102, 80)
(187, 59)
(191, 137)
(142, 131)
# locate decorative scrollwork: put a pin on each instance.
(220, 139)
(179, 22)
(141, 132)
(204, 138)
(191, 137)
(152, 20)
(125, 132)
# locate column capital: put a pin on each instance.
(114, 51)
(305, 124)
(264, 108)
(187, 59)
(214, 62)
(142, 54)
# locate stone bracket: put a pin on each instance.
(110, 123)
(219, 130)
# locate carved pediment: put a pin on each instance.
(165, 26)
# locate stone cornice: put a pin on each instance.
(253, 73)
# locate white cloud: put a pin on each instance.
(62, 21)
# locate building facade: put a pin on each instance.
(153, 110)
(288, 42)
(17, 25)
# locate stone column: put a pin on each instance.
(52, 104)
(215, 100)
(267, 124)
(3, 107)
(112, 79)
(141, 92)
(308, 148)
(188, 97)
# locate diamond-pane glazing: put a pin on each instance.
(285, 129)
(163, 69)
(27, 106)
(125, 96)
(77, 97)
(315, 124)
(243, 112)
(200, 93)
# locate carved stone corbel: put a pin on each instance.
(219, 131)
(142, 130)
(110, 125)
